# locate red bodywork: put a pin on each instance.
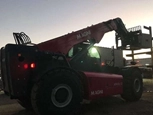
(98, 84)
(64, 43)
(103, 84)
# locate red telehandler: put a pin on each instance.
(55, 77)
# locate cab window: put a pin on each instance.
(93, 53)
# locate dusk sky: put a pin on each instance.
(42, 20)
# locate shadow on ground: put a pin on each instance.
(24, 112)
(112, 106)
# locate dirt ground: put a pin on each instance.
(106, 106)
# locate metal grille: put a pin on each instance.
(21, 38)
(134, 29)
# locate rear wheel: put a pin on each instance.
(58, 93)
(132, 85)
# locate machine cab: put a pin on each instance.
(84, 58)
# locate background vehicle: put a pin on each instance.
(55, 76)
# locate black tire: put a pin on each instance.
(132, 85)
(25, 102)
(58, 93)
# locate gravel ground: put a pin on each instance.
(106, 106)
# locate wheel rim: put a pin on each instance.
(137, 85)
(61, 95)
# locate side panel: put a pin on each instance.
(23, 65)
(4, 73)
(145, 41)
(15, 73)
(103, 84)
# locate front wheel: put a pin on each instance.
(59, 93)
(132, 85)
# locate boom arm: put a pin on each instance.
(93, 33)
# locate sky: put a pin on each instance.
(42, 20)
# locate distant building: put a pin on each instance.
(143, 62)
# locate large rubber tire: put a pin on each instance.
(132, 85)
(59, 92)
